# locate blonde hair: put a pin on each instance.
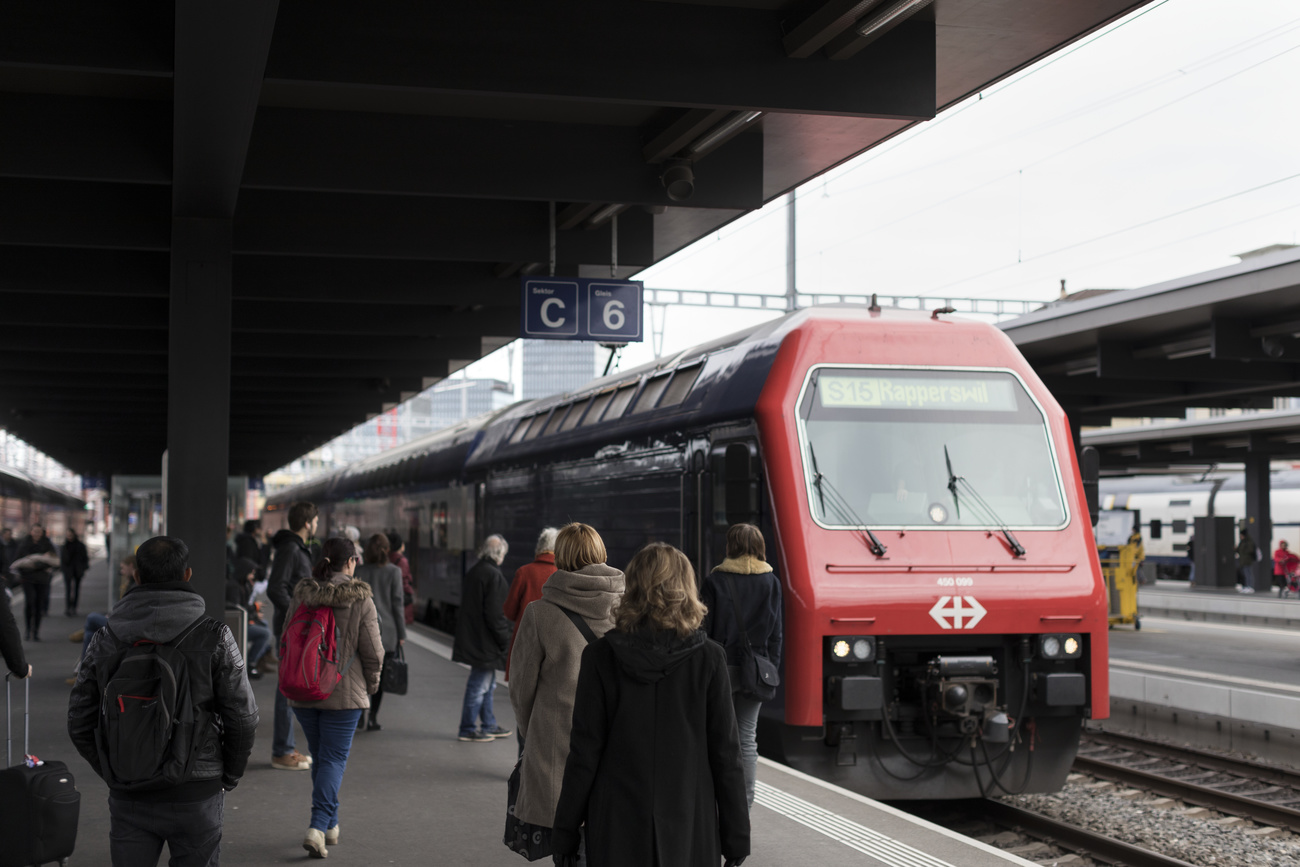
(660, 592)
(578, 545)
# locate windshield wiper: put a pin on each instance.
(990, 515)
(841, 508)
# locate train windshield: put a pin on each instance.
(875, 442)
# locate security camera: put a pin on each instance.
(679, 181)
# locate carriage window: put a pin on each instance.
(521, 428)
(534, 429)
(883, 440)
(598, 404)
(1178, 527)
(683, 379)
(650, 394)
(1156, 527)
(575, 415)
(556, 418)
(1173, 503)
(622, 398)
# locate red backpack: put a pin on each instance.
(309, 664)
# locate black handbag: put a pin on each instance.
(758, 676)
(533, 841)
(392, 678)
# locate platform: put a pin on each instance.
(413, 794)
(1176, 599)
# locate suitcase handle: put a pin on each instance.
(9, 722)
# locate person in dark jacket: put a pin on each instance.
(74, 559)
(36, 574)
(293, 562)
(758, 602)
(482, 639)
(385, 580)
(654, 769)
(188, 816)
(397, 556)
(251, 544)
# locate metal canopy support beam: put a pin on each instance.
(827, 22)
(198, 399)
(700, 56)
(1259, 519)
(1116, 360)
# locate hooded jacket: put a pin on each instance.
(544, 676)
(654, 763)
(759, 606)
(482, 630)
(292, 563)
(358, 625)
(160, 613)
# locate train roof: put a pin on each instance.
(1176, 483)
(15, 483)
(711, 382)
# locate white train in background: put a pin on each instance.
(1168, 505)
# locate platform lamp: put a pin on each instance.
(893, 13)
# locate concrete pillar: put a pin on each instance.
(1259, 519)
(198, 399)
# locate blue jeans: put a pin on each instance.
(259, 640)
(192, 832)
(747, 723)
(282, 737)
(329, 735)
(94, 622)
(478, 700)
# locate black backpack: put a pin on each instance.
(151, 725)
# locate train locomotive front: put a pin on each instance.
(946, 621)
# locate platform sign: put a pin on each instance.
(581, 308)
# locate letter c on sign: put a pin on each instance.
(546, 317)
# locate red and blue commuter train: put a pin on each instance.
(945, 615)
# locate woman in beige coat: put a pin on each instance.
(545, 661)
(330, 723)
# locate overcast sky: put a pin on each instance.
(1156, 148)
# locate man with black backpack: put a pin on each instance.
(163, 712)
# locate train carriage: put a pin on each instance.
(945, 615)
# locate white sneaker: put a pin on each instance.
(332, 836)
(314, 843)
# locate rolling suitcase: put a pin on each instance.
(38, 820)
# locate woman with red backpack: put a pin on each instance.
(331, 597)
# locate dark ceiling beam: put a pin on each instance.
(89, 339)
(1232, 340)
(136, 36)
(851, 42)
(29, 308)
(83, 214)
(72, 361)
(696, 56)
(271, 383)
(305, 349)
(413, 227)
(85, 138)
(54, 271)
(341, 365)
(363, 152)
(220, 58)
(380, 282)
(1115, 360)
(824, 24)
(360, 319)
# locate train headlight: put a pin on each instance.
(1060, 646)
(938, 513)
(854, 648)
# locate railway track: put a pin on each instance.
(1252, 790)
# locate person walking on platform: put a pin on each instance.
(74, 559)
(756, 604)
(397, 556)
(151, 798)
(1247, 555)
(35, 561)
(545, 660)
(527, 586)
(330, 723)
(1285, 563)
(293, 563)
(482, 638)
(654, 769)
(385, 582)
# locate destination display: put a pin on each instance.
(912, 392)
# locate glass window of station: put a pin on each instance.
(881, 447)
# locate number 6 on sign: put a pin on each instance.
(614, 318)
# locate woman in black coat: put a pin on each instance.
(757, 601)
(654, 766)
(75, 562)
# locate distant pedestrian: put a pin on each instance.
(1285, 562)
(330, 723)
(239, 596)
(74, 559)
(152, 799)
(385, 582)
(292, 563)
(545, 660)
(1247, 556)
(654, 767)
(251, 544)
(757, 605)
(527, 586)
(482, 638)
(397, 556)
(35, 561)
(128, 577)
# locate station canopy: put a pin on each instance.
(386, 171)
(1226, 339)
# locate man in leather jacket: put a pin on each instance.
(161, 607)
